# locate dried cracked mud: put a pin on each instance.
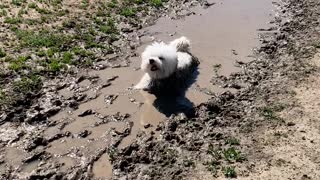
(254, 102)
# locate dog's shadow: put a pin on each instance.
(171, 92)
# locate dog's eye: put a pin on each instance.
(161, 58)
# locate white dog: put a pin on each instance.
(160, 61)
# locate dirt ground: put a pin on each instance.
(254, 102)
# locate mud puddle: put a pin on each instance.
(220, 35)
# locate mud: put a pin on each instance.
(106, 130)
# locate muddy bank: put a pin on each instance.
(246, 134)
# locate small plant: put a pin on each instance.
(232, 141)
(215, 153)
(2, 53)
(112, 152)
(268, 113)
(85, 4)
(27, 84)
(13, 20)
(229, 172)
(18, 2)
(109, 28)
(113, 4)
(188, 163)
(213, 167)
(156, 3)
(231, 155)
(32, 5)
(19, 63)
(55, 65)
(67, 57)
(3, 12)
(316, 44)
(128, 12)
(42, 10)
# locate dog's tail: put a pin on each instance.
(182, 44)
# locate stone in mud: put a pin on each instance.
(110, 98)
(86, 113)
(84, 134)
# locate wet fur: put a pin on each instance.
(176, 67)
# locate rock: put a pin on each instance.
(86, 113)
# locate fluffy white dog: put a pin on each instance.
(165, 62)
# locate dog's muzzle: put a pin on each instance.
(153, 66)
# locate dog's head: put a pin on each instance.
(159, 60)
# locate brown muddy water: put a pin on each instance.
(221, 34)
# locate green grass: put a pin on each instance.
(32, 5)
(128, 12)
(84, 4)
(3, 13)
(18, 2)
(67, 58)
(43, 11)
(43, 38)
(156, 3)
(229, 172)
(55, 65)
(109, 28)
(113, 4)
(13, 20)
(27, 84)
(19, 63)
(2, 53)
(233, 155)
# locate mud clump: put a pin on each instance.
(205, 144)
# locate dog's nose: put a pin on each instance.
(151, 61)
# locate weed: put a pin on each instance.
(232, 141)
(13, 20)
(269, 113)
(128, 12)
(2, 53)
(3, 12)
(84, 4)
(67, 57)
(43, 38)
(213, 167)
(156, 3)
(56, 2)
(113, 4)
(19, 63)
(81, 52)
(229, 172)
(27, 84)
(18, 2)
(231, 155)
(112, 152)
(109, 28)
(188, 163)
(215, 153)
(316, 44)
(32, 5)
(55, 65)
(42, 10)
